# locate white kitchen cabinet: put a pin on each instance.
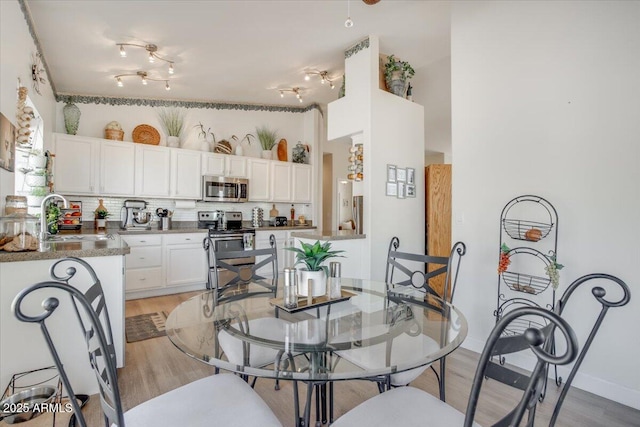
(286, 258)
(144, 262)
(259, 187)
(280, 182)
(75, 165)
(301, 182)
(117, 168)
(224, 165)
(185, 174)
(186, 262)
(153, 168)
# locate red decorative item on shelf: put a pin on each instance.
(504, 262)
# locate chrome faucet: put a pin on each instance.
(43, 214)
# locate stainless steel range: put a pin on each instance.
(226, 233)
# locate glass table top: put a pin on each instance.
(371, 334)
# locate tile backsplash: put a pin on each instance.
(114, 205)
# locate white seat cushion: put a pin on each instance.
(269, 328)
(406, 407)
(218, 400)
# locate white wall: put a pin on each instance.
(432, 89)
(16, 50)
(391, 130)
(545, 101)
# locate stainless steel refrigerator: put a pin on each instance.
(357, 206)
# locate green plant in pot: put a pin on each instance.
(313, 256)
(172, 121)
(396, 74)
(267, 138)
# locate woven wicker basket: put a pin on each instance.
(115, 134)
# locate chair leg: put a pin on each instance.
(441, 379)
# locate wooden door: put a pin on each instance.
(438, 217)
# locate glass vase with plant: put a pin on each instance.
(53, 217)
(396, 74)
(172, 121)
(267, 138)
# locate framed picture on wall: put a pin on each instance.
(411, 176)
(7, 144)
(410, 190)
(391, 173)
(402, 175)
(401, 189)
(392, 189)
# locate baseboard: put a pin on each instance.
(597, 386)
(164, 291)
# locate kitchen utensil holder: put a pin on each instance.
(30, 380)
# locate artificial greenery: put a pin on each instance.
(267, 137)
(204, 134)
(101, 213)
(392, 65)
(313, 255)
(53, 215)
(172, 120)
(247, 137)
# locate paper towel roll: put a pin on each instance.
(185, 204)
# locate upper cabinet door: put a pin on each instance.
(117, 165)
(75, 170)
(281, 181)
(301, 181)
(259, 189)
(152, 171)
(213, 164)
(185, 174)
(236, 166)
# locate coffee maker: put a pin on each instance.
(134, 216)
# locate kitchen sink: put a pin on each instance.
(79, 237)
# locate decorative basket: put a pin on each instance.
(115, 134)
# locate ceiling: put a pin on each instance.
(236, 51)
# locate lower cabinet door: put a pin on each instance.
(144, 278)
(185, 265)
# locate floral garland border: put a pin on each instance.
(364, 44)
(150, 102)
(27, 17)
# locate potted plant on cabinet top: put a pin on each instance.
(172, 121)
(396, 74)
(313, 256)
(267, 140)
(239, 151)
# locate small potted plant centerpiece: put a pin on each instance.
(101, 215)
(172, 121)
(267, 140)
(396, 74)
(313, 256)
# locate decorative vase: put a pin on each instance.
(396, 84)
(71, 114)
(239, 150)
(173, 141)
(101, 223)
(318, 284)
(267, 154)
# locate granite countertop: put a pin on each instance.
(112, 246)
(329, 235)
(287, 227)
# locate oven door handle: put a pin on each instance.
(228, 237)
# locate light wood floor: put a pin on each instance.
(155, 366)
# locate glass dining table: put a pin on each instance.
(371, 332)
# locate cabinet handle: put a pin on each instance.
(187, 239)
(143, 278)
(141, 257)
(143, 241)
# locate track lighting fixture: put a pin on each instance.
(144, 77)
(295, 90)
(349, 22)
(324, 77)
(152, 50)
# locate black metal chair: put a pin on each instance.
(415, 407)
(407, 272)
(599, 293)
(217, 399)
(241, 274)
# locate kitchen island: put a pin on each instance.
(22, 346)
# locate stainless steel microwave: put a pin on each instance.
(224, 189)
